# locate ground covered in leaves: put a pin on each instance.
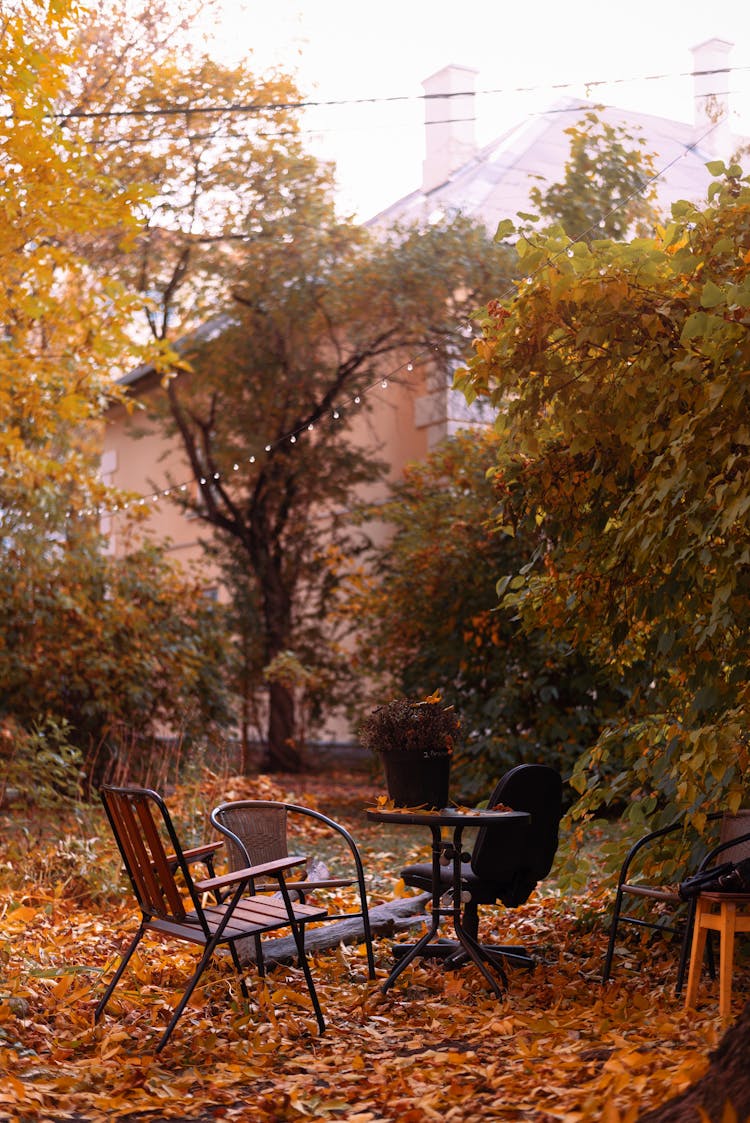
(438, 1046)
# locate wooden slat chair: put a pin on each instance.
(258, 830)
(142, 825)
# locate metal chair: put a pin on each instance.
(257, 830)
(678, 918)
(174, 910)
(499, 871)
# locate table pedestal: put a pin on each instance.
(488, 958)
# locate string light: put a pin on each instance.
(409, 366)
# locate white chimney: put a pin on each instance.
(711, 93)
(449, 119)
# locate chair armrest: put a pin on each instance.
(197, 854)
(267, 869)
(641, 843)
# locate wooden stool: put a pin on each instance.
(726, 922)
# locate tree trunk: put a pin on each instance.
(283, 753)
(727, 1080)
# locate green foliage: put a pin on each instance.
(605, 191)
(40, 763)
(108, 648)
(619, 379)
(428, 616)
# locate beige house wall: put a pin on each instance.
(140, 460)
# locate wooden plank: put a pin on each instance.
(385, 920)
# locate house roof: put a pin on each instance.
(495, 183)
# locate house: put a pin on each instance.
(491, 183)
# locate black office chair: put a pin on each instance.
(504, 867)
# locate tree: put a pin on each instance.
(319, 309)
(618, 374)
(606, 190)
(214, 153)
(78, 632)
(62, 327)
(428, 619)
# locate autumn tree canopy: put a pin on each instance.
(78, 634)
(619, 377)
(428, 620)
(266, 419)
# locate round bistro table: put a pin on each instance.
(451, 850)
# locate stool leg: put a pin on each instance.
(726, 957)
(696, 956)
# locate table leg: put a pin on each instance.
(474, 949)
(436, 914)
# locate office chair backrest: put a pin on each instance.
(518, 861)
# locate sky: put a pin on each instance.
(636, 54)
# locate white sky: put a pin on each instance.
(345, 49)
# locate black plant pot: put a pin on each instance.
(417, 780)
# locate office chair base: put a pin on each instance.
(454, 955)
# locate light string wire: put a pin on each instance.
(292, 436)
(278, 106)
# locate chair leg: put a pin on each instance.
(299, 939)
(205, 958)
(470, 919)
(367, 929)
(687, 939)
(612, 937)
(696, 958)
(240, 972)
(726, 956)
(118, 974)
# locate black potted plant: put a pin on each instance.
(415, 741)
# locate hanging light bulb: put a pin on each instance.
(292, 439)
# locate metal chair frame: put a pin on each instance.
(239, 851)
(665, 895)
